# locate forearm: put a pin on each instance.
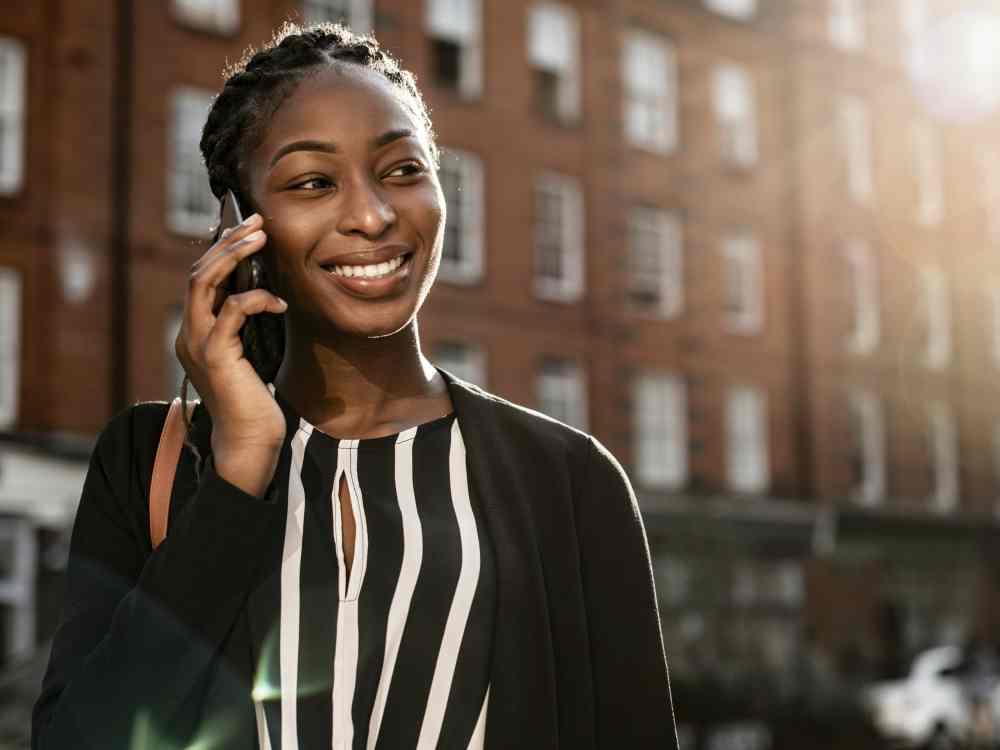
(165, 633)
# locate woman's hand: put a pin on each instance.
(248, 426)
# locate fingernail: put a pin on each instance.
(250, 219)
(253, 236)
(283, 303)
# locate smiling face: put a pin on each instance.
(344, 176)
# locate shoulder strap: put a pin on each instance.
(164, 469)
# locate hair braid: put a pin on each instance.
(254, 89)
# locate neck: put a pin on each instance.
(354, 385)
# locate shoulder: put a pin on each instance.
(515, 421)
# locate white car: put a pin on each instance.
(931, 706)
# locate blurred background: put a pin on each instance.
(752, 245)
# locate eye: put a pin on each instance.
(314, 183)
(409, 169)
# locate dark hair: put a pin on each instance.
(255, 88)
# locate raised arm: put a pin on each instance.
(632, 688)
(141, 631)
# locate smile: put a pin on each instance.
(373, 279)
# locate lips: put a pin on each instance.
(367, 257)
(372, 287)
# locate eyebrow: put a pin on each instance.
(328, 147)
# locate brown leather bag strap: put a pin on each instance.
(164, 468)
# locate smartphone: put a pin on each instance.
(248, 274)
(263, 335)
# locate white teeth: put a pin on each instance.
(371, 271)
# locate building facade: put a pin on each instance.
(743, 242)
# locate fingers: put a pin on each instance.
(205, 285)
(228, 237)
(234, 313)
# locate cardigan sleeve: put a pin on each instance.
(631, 683)
(141, 630)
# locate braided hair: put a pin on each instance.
(255, 87)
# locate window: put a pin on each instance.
(741, 10)
(222, 16)
(927, 159)
(192, 209)
(649, 72)
(735, 113)
(863, 289)
(553, 52)
(846, 24)
(10, 346)
(466, 360)
(747, 468)
(357, 14)
(989, 193)
(12, 113)
(562, 391)
(461, 177)
(656, 270)
(744, 287)
(937, 318)
(856, 128)
(660, 423)
(867, 448)
(558, 238)
(943, 438)
(19, 556)
(456, 52)
(673, 580)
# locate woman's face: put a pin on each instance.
(344, 177)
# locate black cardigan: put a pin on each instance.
(157, 648)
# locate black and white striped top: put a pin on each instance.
(397, 654)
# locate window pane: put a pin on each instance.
(660, 419)
(735, 111)
(863, 291)
(741, 9)
(943, 435)
(655, 262)
(650, 81)
(867, 447)
(857, 134)
(562, 392)
(558, 238)
(746, 429)
(467, 361)
(192, 207)
(847, 23)
(744, 285)
(10, 345)
(212, 15)
(462, 182)
(12, 83)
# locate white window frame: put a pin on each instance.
(219, 16)
(868, 418)
(472, 367)
(748, 468)
(937, 309)
(191, 105)
(469, 206)
(864, 290)
(735, 101)
(666, 228)
(943, 435)
(460, 22)
(561, 390)
(11, 305)
(927, 158)
(742, 256)
(13, 69)
(360, 14)
(650, 86)
(660, 429)
(740, 10)
(570, 287)
(554, 47)
(856, 131)
(846, 24)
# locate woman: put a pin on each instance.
(480, 575)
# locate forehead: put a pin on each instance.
(342, 103)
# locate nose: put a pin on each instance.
(365, 210)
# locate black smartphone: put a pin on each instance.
(249, 273)
(263, 335)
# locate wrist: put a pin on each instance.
(251, 470)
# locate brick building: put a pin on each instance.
(737, 246)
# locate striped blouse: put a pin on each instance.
(395, 654)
